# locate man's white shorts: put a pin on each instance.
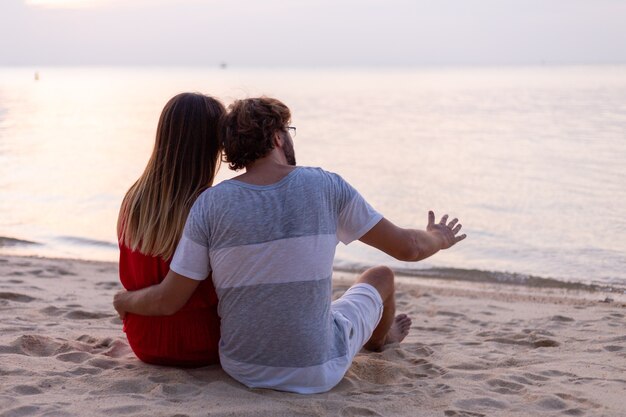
(358, 312)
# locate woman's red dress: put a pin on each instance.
(188, 338)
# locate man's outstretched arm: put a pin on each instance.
(412, 244)
(163, 299)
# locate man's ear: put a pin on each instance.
(278, 140)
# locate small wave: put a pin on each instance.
(10, 241)
(494, 277)
(75, 240)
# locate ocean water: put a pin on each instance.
(532, 160)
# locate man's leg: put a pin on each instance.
(391, 328)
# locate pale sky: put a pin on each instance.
(312, 32)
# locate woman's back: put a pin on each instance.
(153, 213)
(188, 338)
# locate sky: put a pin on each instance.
(319, 33)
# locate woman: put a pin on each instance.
(184, 162)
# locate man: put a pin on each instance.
(268, 238)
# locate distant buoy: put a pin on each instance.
(223, 65)
(36, 75)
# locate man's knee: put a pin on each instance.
(381, 278)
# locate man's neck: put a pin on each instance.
(267, 170)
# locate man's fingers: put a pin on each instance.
(457, 228)
(453, 222)
(459, 238)
(444, 219)
(431, 218)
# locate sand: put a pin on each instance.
(474, 350)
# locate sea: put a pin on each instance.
(532, 160)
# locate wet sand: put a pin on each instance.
(474, 350)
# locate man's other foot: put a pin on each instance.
(399, 329)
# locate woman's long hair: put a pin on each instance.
(184, 162)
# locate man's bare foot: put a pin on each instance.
(399, 329)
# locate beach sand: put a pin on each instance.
(474, 350)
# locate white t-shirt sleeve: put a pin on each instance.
(356, 216)
(191, 258)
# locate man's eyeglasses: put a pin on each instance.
(291, 130)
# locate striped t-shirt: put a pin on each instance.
(270, 249)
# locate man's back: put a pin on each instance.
(271, 250)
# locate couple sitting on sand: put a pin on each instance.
(262, 244)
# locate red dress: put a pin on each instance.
(188, 338)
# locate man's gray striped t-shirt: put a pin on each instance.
(271, 249)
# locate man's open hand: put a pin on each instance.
(446, 231)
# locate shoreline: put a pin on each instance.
(453, 276)
(478, 280)
(474, 349)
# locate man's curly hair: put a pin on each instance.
(249, 127)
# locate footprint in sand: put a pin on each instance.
(481, 403)
(31, 345)
(505, 387)
(26, 390)
(109, 285)
(538, 332)
(562, 319)
(522, 380)
(551, 403)
(107, 346)
(426, 369)
(422, 350)
(378, 371)
(103, 363)
(125, 387)
(470, 366)
(535, 377)
(440, 390)
(450, 314)
(20, 298)
(554, 403)
(557, 373)
(50, 272)
(351, 411)
(27, 410)
(81, 370)
(433, 329)
(585, 403)
(52, 311)
(125, 409)
(461, 413)
(522, 339)
(86, 315)
(117, 349)
(85, 338)
(179, 390)
(74, 357)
